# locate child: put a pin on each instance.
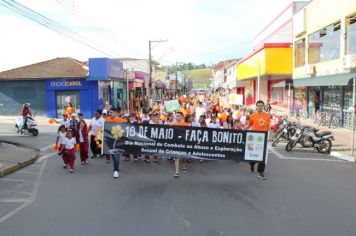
(82, 139)
(61, 135)
(69, 150)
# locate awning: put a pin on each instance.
(327, 80)
(281, 84)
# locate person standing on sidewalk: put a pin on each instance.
(259, 121)
(179, 122)
(96, 123)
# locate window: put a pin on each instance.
(299, 53)
(351, 35)
(324, 45)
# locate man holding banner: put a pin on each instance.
(179, 122)
(259, 121)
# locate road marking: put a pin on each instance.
(280, 156)
(26, 202)
(15, 191)
(14, 201)
(17, 180)
(7, 216)
(44, 157)
(38, 181)
(26, 172)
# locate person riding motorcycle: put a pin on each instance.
(25, 112)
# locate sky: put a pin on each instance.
(197, 31)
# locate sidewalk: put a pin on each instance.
(13, 158)
(343, 137)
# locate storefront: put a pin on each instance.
(108, 74)
(332, 93)
(89, 93)
(79, 90)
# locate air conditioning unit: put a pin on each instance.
(349, 61)
(309, 70)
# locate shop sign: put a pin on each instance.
(66, 84)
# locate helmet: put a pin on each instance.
(26, 104)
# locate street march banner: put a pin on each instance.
(236, 99)
(185, 142)
(172, 105)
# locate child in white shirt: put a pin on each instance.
(68, 151)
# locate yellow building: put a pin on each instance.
(324, 56)
(263, 74)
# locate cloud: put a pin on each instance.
(201, 31)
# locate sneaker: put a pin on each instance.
(155, 159)
(116, 174)
(261, 176)
(135, 159)
(93, 156)
(107, 161)
(64, 166)
(184, 170)
(71, 171)
(126, 158)
(86, 162)
(83, 162)
(201, 160)
(176, 175)
(148, 160)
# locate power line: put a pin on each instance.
(52, 25)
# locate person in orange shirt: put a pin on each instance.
(115, 157)
(179, 122)
(259, 121)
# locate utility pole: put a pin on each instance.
(149, 91)
(176, 84)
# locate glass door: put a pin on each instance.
(61, 103)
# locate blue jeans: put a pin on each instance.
(115, 161)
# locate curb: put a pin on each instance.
(343, 157)
(16, 167)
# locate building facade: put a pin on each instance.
(324, 57)
(270, 62)
(46, 85)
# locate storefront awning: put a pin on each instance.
(281, 84)
(327, 80)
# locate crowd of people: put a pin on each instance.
(198, 110)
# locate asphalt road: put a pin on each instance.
(304, 194)
(46, 137)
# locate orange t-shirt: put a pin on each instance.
(116, 119)
(259, 121)
(180, 124)
(185, 112)
(223, 116)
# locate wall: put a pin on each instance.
(319, 14)
(15, 93)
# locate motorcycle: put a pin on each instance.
(286, 130)
(31, 128)
(310, 137)
(276, 122)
